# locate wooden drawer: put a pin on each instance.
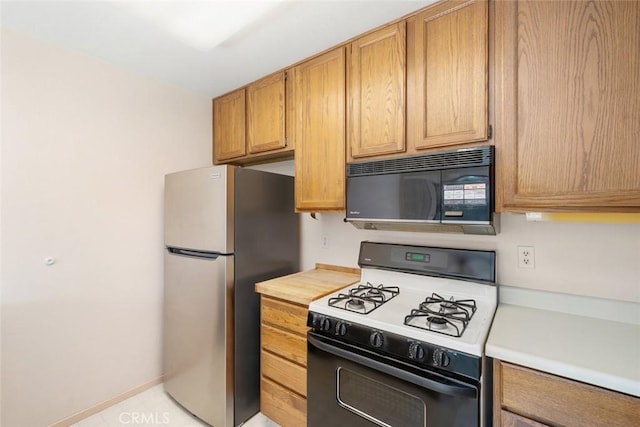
(560, 401)
(281, 405)
(284, 315)
(284, 372)
(513, 420)
(285, 344)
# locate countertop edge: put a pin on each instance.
(572, 372)
(349, 270)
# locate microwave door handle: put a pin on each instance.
(449, 389)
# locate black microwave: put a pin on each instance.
(445, 191)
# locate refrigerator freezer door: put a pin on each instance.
(197, 337)
(198, 214)
(266, 246)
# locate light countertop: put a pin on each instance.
(596, 351)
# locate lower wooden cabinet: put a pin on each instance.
(283, 331)
(283, 362)
(525, 397)
(509, 419)
(281, 405)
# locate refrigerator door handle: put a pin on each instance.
(194, 253)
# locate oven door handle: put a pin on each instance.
(437, 386)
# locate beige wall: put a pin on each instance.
(591, 259)
(85, 146)
(598, 260)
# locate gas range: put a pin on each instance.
(410, 334)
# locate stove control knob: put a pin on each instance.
(341, 329)
(416, 352)
(441, 358)
(376, 339)
(325, 324)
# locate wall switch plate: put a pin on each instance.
(526, 257)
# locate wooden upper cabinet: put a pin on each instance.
(229, 126)
(377, 92)
(266, 114)
(448, 63)
(253, 123)
(568, 104)
(320, 133)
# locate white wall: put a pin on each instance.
(592, 259)
(85, 146)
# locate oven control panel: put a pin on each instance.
(398, 347)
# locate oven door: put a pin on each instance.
(350, 386)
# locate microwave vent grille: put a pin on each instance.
(481, 156)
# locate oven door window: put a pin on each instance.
(378, 402)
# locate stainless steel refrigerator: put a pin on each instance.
(226, 228)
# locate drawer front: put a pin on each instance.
(557, 400)
(285, 344)
(281, 405)
(284, 372)
(512, 420)
(284, 315)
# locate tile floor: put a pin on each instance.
(153, 408)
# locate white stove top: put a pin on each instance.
(414, 289)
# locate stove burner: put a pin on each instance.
(436, 322)
(446, 316)
(355, 303)
(365, 298)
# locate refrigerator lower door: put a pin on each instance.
(197, 341)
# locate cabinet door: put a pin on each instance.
(377, 87)
(320, 133)
(568, 96)
(560, 401)
(229, 126)
(449, 60)
(266, 114)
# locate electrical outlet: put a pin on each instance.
(324, 243)
(526, 257)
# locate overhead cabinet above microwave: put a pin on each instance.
(421, 83)
(447, 191)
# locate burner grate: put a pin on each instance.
(445, 316)
(462, 309)
(364, 299)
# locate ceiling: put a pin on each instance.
(121, 33)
